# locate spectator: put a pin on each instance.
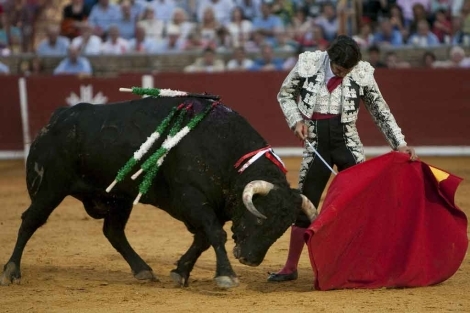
(458, 36)
(163, 9)
(4, 69)
(179, 21)
(419, 14)
(223, 40)
(315, 38)
(87, 43)
(53, 44)
(240, 28)
(102, 16)
(375, 57)
(373, 9)
(256, 41)
(194, 42)
(74, 64)
(423, 37)
(141, 43)
(392, 61)
(153, 27)
(456, 7)
(73, 15)
(4, 49)
(267, 61)
(442, 27)
(172, 43)
(466, 18)
(126, 21)
(18, 20)
(290, 62)
(208, 63)
(457, 59)
(284, 9)
(398, 21)
(250, 8)
(268, 24)
(239, 60)
(387, 36)
(222, 10)
(31, 67)
(137, 8)
(328, 21)
(428, 59)
(301, 24)
(285, 42)
(365, 38)
(409, 8)
(115, 43)
(208, 27)
(444, 5)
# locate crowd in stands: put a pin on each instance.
(118, 27)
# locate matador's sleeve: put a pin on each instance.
(288, 96)
(380, 112)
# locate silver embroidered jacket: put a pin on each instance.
(304, 92)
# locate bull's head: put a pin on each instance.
(261, 225)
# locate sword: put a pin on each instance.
(318, 154)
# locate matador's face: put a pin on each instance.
(339, 70)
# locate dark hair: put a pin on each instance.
(430, 54)
(373, 48)
(344, 52)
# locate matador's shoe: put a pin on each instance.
(282, 277)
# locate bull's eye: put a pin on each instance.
(259, 221)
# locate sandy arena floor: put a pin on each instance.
(69, 266)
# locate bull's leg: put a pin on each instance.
(33, 218)
(201, 216)
(113, 228)
(224, 275)
(186, 263)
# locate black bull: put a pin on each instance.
(81, 149)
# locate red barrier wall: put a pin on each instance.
(45, 94)
(11, 132)
(431, 106)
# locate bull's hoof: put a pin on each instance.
(146, 275)
(226, 282)
(179, 280)
(11, 274)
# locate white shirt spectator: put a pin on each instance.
(234, 65)
(91, 47)
(120, 46)
(4, 69)
(240, 32)
(222, 10)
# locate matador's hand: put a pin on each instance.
(410, 151)
(301, 130)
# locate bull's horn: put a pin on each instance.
(255, 187)
(308, 208)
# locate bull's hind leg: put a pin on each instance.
(33, 218)
(185, 264)
(114, 223)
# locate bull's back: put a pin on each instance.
(92, 142)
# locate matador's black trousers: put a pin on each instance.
(328, 136)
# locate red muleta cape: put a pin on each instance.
(388, 222)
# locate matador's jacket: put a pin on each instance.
(307, 80)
